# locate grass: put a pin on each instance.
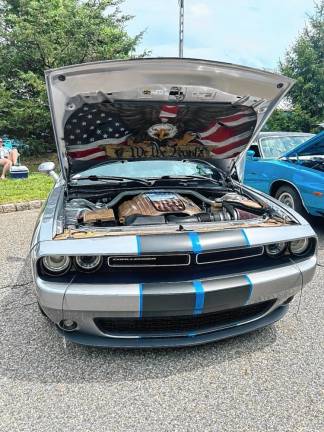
(37, 186)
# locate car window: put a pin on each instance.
(276, 146)
(256, 150)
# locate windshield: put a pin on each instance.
(276, 146)
(151, 169)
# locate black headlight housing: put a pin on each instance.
(62, 265)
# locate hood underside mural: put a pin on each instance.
(142, 130)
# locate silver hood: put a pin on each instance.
(165, 108)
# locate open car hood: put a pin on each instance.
(166, 108)
(313, 146)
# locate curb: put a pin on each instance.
(20, 206)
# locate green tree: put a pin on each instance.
(305, 63)
(42, 34)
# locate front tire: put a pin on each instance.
(289, 196)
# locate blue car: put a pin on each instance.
(289, 167)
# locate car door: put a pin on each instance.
(256, 172)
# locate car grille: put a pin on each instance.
(229, 255)
(180, 324)
(184, 259)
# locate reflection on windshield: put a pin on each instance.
(152, 169)
(274, 147)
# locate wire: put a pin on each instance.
(302, 285)
(63, 299)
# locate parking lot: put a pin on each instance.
(270, 380)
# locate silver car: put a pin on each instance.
(149, 238)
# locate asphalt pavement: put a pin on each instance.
(270, 380)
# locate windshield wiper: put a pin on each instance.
(189, 177)
(113, 178)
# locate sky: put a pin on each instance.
(249, 32)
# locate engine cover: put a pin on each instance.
(157, 204)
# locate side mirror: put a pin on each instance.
(250, 154)
(48, 169)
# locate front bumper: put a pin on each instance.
(86, 303)
(179, 341)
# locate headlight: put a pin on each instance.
(88, 263)
(56, 264)
(299, 247)
(275, 249)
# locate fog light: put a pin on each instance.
(299, 247)
(68, 325)
(88, 263)
(275, 249)
(56, 264)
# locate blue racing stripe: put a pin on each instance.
(192, 334)
(140, 301)
(200, 297)
(139, 246)
(250, 288)
(195, 242)
(247, 241)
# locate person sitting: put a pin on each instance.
(8, 157)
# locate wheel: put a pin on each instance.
(289, 196)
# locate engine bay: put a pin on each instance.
(316, 163)
(153, 207)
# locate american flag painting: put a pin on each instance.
(225, 137)
(97, 132)
(89, 129)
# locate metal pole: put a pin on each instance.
(181, 27)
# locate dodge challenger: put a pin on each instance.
(149, 238)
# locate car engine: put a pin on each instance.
(158, 207)
(316, 163)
